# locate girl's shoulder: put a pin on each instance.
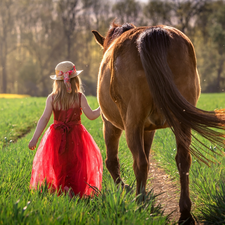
(50, 98)
(83, 98)
(51, 95)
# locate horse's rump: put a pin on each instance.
(154, 46)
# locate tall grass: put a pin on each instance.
(113, 206)
(19, 205)
(206, 183)
(18, 116)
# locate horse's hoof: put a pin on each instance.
(186, 220)
(127, 187)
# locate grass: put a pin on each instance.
(113, 206)
(18, 205)
(205, 182)
(18, 116)
(214, 212)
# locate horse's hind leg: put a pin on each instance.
(183, 160)
(148, 138)
(137, 145)
(112, 136)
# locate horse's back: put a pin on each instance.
(126, 80)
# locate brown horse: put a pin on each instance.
(148, 80)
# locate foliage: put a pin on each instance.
(126, 10)
(160, 12)
(29, 78)
(35, 35)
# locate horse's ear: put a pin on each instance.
(99, 38)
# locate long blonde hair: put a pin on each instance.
(62, 100)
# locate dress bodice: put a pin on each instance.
(70, 115)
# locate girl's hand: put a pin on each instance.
(89, 113)
(41, 123)
(32, 144)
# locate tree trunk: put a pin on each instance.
(3, 57)
(68, 47)
(219, 71)
(4, 77)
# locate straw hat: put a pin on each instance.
(65, 67)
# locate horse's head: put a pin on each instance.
(114, 32)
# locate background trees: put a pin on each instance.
(7, 37)
(37, 34)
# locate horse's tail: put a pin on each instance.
(153, 46)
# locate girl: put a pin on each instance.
(67, 157)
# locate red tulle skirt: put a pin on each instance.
(76, 163)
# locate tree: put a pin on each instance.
(127, 11)
(42, 40)
(69, 11)
(102, 16)
(217, 34)
(186, 12)
(158, 12)
(178, 13)
(211, 23)
(7, 36)
(35, 35)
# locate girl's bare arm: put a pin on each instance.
(89, 113)
(43, 121)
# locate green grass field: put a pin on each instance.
(206, 183)
(18, 205)
(18, 116)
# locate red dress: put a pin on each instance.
(68, 155)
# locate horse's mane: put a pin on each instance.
(115, 31)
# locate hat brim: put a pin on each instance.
(54, 77)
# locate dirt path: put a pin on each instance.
(168, 190)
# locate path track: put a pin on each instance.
(167, 189)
